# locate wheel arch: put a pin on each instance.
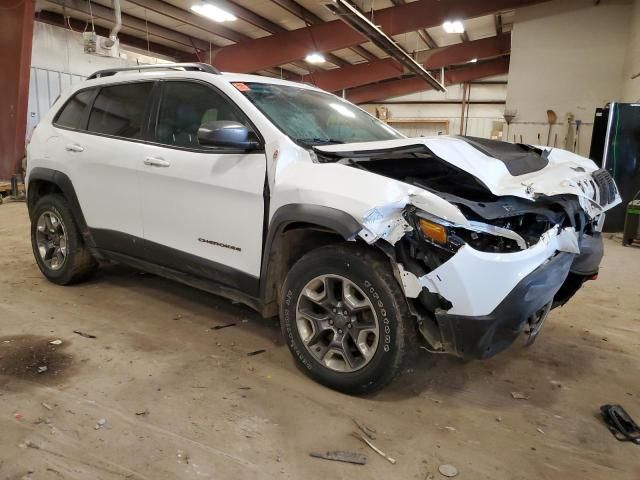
(293, 231)
(43, 181)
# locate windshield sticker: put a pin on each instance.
(242, 87)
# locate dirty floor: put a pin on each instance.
(159, 394)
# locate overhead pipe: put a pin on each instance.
(113, 34)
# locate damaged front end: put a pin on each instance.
(475, 289)
(479, 278)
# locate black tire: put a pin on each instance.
(79, 263)
(370, 271)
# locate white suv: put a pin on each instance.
(299, 204)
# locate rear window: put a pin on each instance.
(119, 110)
(72, 114)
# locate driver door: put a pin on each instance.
(202, 207)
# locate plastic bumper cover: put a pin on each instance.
(484, 336)
(591, 253)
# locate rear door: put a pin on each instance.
(203, 207)
(109, 155)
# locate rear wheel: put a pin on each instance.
(57, 244)
(345, 318)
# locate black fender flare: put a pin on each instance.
(63, 182)
(318, 215)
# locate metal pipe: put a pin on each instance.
(466, 122)
(464, 98)
(113, 34)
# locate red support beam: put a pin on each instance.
(406, 86)
(16, 36)
(355, 75)
(309, 18)
(384, 69)
(467, 51)
(282, 48)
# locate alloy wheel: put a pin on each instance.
(337, 323)
(52, 240)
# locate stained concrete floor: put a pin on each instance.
(158, 394)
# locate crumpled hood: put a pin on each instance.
(557, 171)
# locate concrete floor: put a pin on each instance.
(180, 400)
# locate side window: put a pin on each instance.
(119, 109)
(187, 105)
(71, 115)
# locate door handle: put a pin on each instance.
(74, 147)
(156, 162)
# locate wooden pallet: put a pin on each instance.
(5, 188)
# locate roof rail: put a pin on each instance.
(197, 67)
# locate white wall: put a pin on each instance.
(481, 116)
(568, 56)
(631, 87)
(59, 49)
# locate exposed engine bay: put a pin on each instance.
(517, 223)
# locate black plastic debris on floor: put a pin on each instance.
(620, 423)
(220, 327)
(83, 334)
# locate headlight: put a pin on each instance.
(478, 235)
(434, 231)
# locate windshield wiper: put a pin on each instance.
(319, 141)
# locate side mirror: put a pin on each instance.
(224, 133)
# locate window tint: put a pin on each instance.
(119, 110)
(72, 114)
(187, 105)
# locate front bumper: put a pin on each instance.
(552, 281)
(493, 296)
(485, 335)
(475, 282)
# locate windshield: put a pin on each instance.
(310, 117)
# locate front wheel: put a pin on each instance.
(345, 318)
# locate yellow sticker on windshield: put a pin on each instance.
(242, 87)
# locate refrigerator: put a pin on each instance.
(615, 146)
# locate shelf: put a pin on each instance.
(417, 120)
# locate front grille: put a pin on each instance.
(606, 186)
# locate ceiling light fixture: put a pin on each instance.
(315, 58)
(454, 26)
(214, 13)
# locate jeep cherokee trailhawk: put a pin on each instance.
(299, 204)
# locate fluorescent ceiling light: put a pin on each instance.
(214, 13)
(454, 26)
(315, 58)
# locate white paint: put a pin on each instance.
(213, 196)
(476, 282)
(567, 56)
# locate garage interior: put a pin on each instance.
(151, 379)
